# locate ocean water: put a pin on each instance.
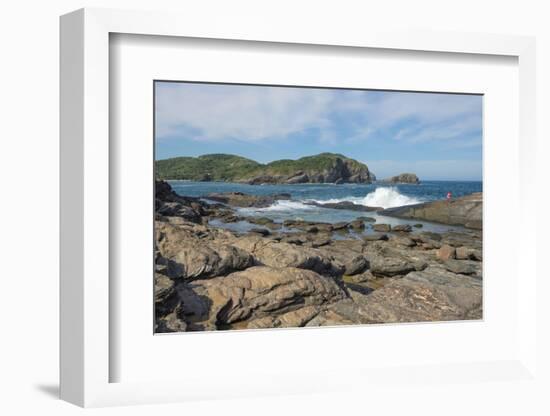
(374, 195)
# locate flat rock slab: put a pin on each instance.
(466, 211)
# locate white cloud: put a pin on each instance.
(422, 117)
(219, 112)
(244, 113)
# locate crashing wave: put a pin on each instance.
(385, 197)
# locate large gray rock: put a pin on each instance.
(268, 292)
(388, 261)
(280, 254)
(357, 265)
(188, 256)
(466, 211)
(469, 267)
(430, 295)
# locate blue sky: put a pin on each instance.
(436, 136)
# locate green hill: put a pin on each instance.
(324, 167)
(214, 167)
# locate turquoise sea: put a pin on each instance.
(375, 195)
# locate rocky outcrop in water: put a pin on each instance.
(409, 178)
(466, 211)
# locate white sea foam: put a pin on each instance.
(280, 205)
(385, 197)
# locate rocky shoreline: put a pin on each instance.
(466, 211)
(297, 274)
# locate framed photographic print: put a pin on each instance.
(270, 206)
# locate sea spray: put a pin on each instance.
(387, 197)
(384, 197)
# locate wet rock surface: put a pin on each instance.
(466, 211)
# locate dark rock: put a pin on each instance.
(404, 178)
(468, 267)
(375, 237)
(366, 219)
(260, 220)
(357, 225)
(340, 225)
(261, 231)
(357, 265)
(405, 228)
(320, 242)
(166, 298)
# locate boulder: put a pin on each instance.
(384, 228)
(467, 253)
(402, 241)
(466, 211)
(357, 225)
(405, 228)
(280, 254)
(262, 231)
(340, 226)
(409, 178)
(267, 292)
(177, 209)
(386, 259)
(375, 237)
(446, 252)
(468, 267)
(188, 256)
(357, 265)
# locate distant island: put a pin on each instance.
(403, 178)
(322, 168)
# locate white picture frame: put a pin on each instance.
(86, 355)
